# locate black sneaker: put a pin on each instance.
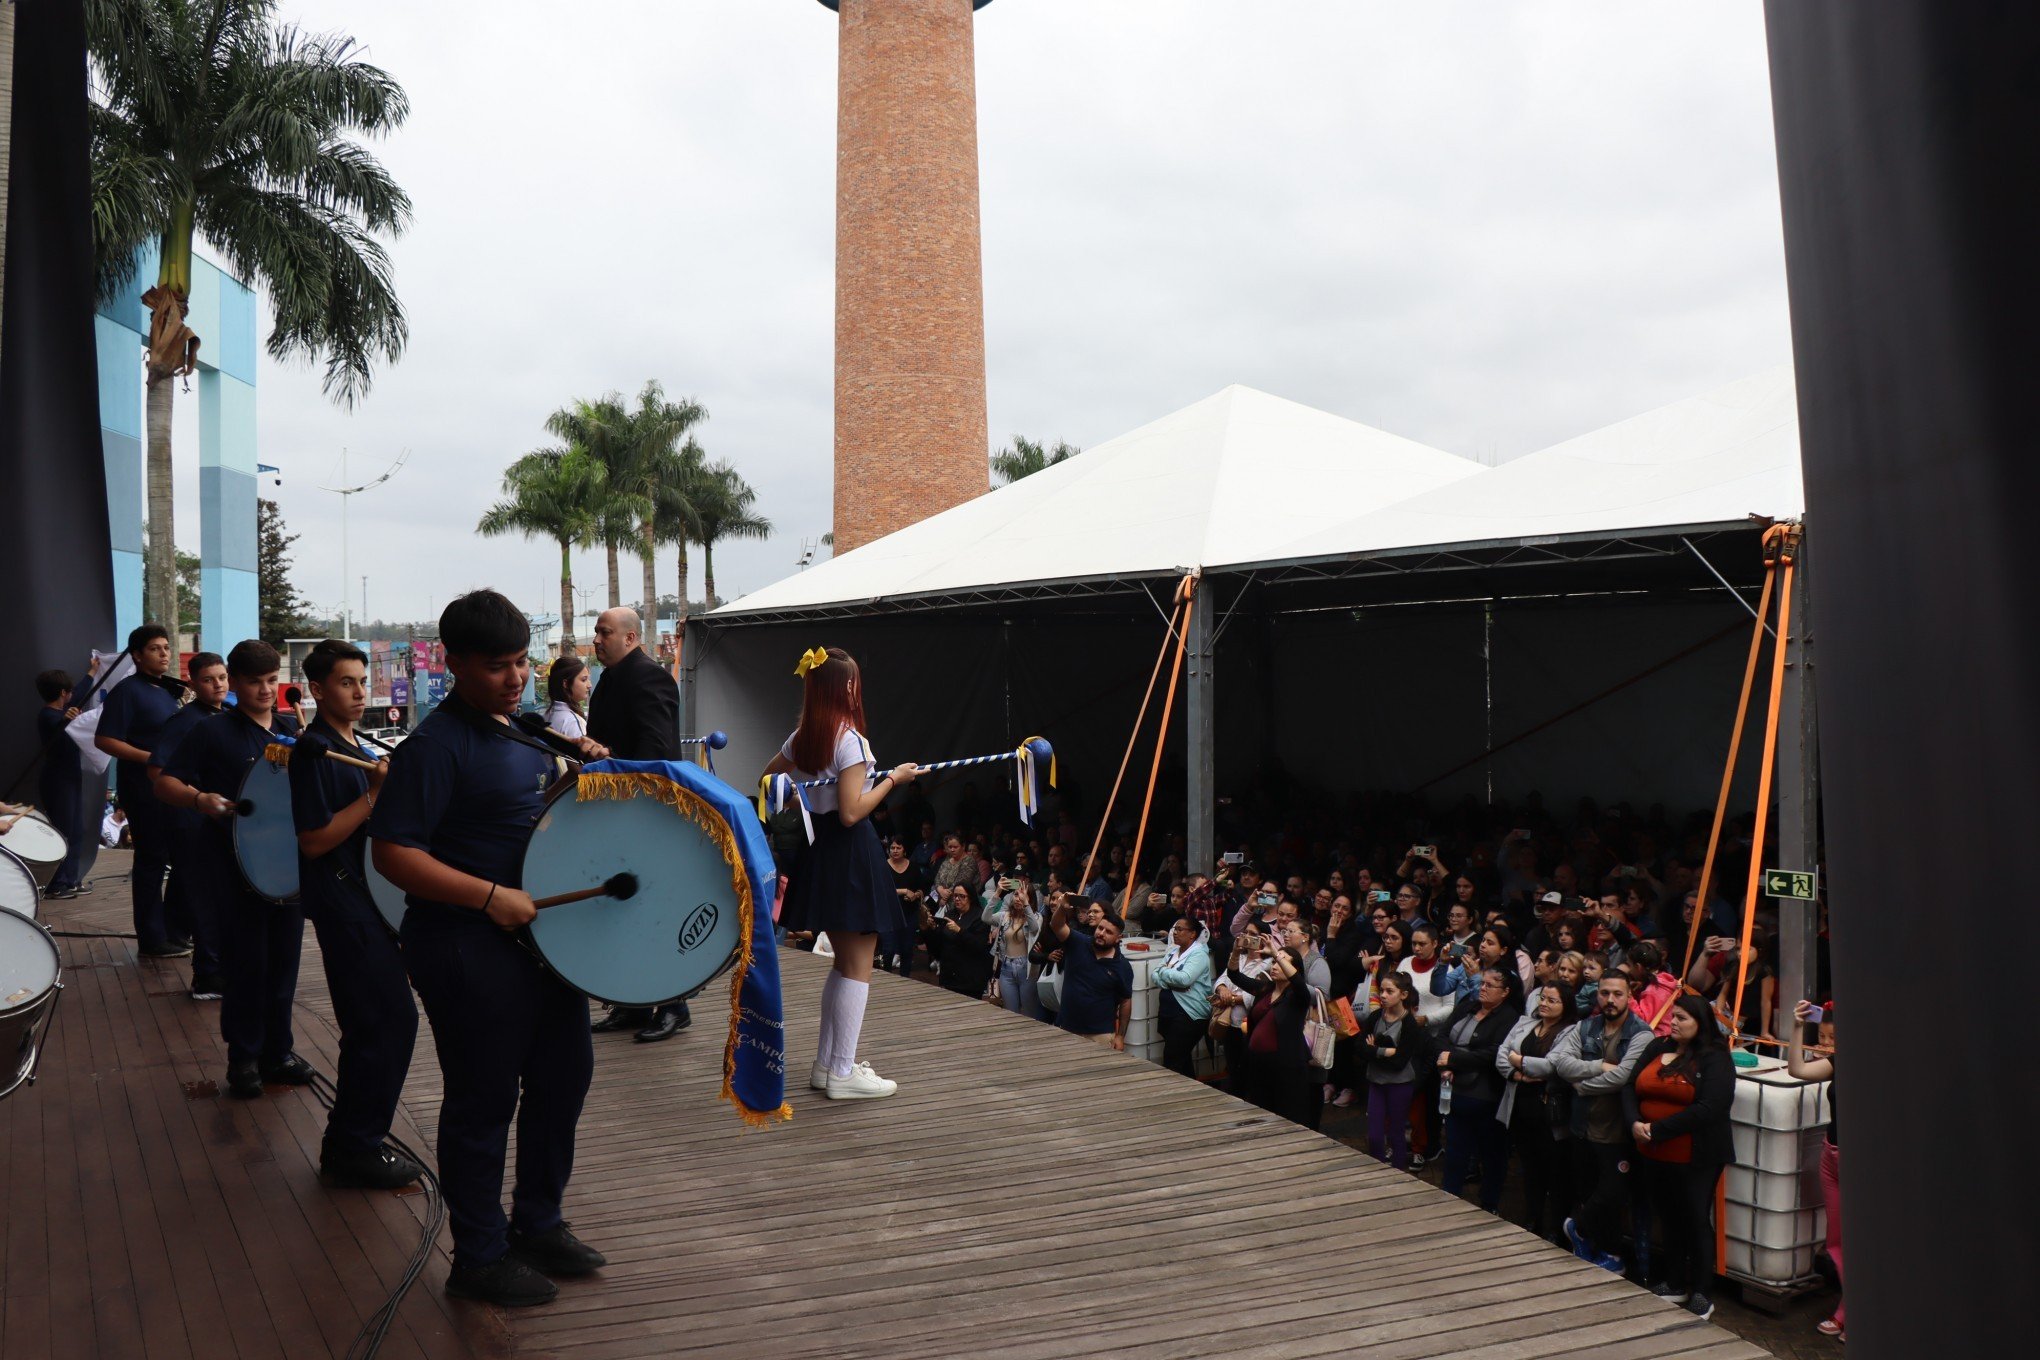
(244, 1080)
(377, 1168)
(291, 1071)
(59, 894)
(1665, 1290)
(206, 987)
(169, 949)
(182, 942)
(1700, 1306)
(506, 1282)
(556, 1252)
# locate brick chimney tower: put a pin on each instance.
(910, 310)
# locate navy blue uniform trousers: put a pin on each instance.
(149, 826)
(260, 942)
(501, 1024)
(378, 1019)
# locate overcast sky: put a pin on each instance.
(1484, 226)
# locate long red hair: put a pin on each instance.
(832, 699)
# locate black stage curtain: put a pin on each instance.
(55, 553)
(1909, 165)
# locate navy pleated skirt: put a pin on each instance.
(842, 882)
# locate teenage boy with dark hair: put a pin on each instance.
(330, 806)
(259, 940)
(61, 786)
(189, 904)
(136, 710)
(449, 829)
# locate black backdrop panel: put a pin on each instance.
(1908, 138)
(54, 549)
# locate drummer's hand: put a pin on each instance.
(510, 908)
(905, 774)
(7, 824)
(70, 713)
(214, 805)
(377, 775)
(592, 748)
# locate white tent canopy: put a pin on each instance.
(1711, 459)
(1228, 479)
(1244, 479)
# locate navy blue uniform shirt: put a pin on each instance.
(465, 795)
(181, 819)
(214, 755)
(1092, 987)
(135, 713)
(319, 790)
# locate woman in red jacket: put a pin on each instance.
(1678, 1104)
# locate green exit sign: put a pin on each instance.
(1790, 883)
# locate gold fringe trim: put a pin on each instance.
(622, 785)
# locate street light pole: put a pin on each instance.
(347, 493)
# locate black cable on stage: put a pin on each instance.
(370, 1338)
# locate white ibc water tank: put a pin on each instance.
(1145, 955)
(1776, 1219)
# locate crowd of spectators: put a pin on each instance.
(1505, 987)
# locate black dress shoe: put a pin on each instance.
(377, 1168)
(506, 1282)
(244, 1080)
(556, 1251)
(621, 1017)
(291, 1071)
(664, 1025)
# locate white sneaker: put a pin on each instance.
(861, 1084)
(818, 1078)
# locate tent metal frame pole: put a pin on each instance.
(1201, 718)
(1798, 801)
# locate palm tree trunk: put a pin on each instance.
(566, 598)
(615, 582)
(161, 568)
(649, 549)
(708, 574)
(680, 623)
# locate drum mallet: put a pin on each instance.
(622, 887)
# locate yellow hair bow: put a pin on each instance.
(811, 658)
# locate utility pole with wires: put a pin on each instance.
(347, 493)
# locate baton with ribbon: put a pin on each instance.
(777, 792)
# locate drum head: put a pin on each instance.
(265, 837)
(673, 938)
(37, 844)
(389, 898)
(28, 963)
(19, 892)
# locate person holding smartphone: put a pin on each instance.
(1805, 1067)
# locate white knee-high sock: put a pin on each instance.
(825, 1043)
(847, 1006)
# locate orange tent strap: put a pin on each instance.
(1189, 597)
(1179, 625)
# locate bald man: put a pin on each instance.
(635, 712)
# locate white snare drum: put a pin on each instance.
(18, 891)
(31, 978)
(37, 844)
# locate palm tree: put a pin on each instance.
(211, 117)
(1026, 457)
(558, 494)
(644, 447)
(677, 517)
(723, 511)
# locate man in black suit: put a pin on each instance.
(635, 712)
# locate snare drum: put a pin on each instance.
(674, 936)
(265, 835)
(18, 891)
(37, 844)
(31, 978)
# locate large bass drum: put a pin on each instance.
(676, 934)
(265, 835)
(31, 978)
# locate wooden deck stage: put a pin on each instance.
(145, 1215)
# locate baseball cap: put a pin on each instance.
(1553, 899)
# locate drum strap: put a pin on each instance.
(482, 722)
